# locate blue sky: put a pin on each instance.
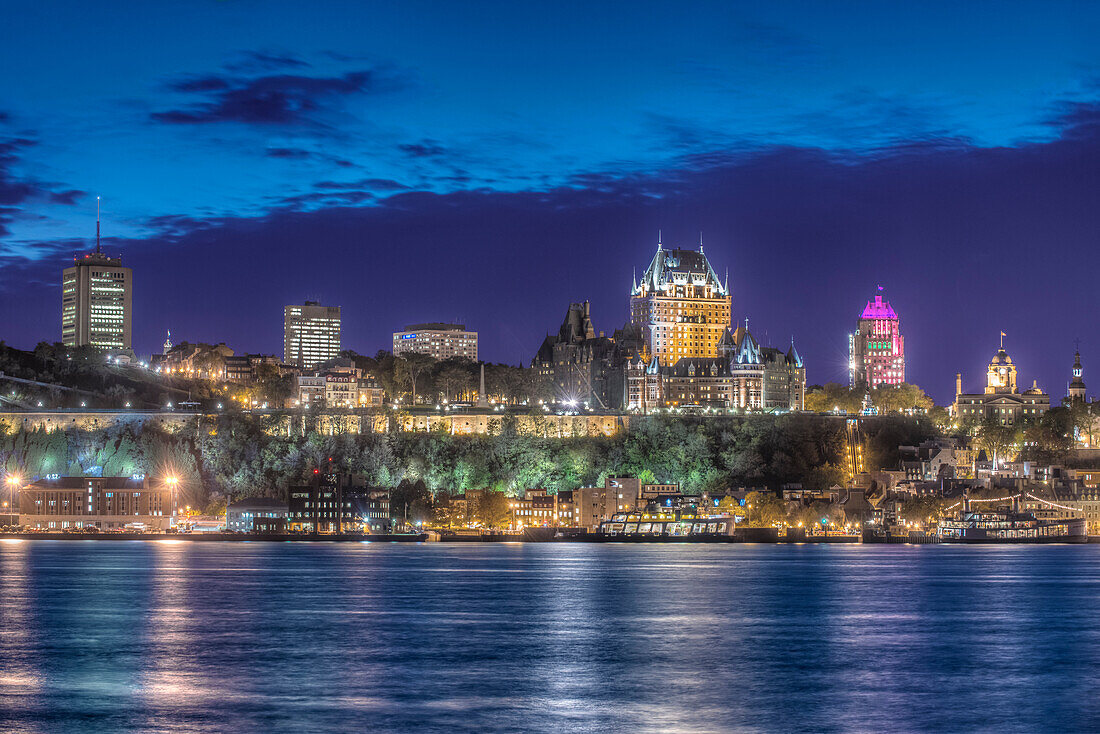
(493, 161)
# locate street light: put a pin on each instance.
(12, 481)
(173, 482)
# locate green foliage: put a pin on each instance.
(899, 398)
(833, 396)
(764, 509)
(241, 455)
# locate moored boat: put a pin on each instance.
(1009, 525)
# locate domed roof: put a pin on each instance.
(1001, 357)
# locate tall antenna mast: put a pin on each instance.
(97, 226)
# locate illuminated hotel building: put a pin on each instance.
(311, 334)
(877, 349)
(441, 341)
(96, 301)
(680, 306)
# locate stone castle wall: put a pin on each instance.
(474, 423)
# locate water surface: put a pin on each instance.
(295, 637)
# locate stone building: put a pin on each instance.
(1000, 400)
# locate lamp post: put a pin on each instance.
(12, 480)
(173, 482)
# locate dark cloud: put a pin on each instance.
(301, 154)
(376, 184)
(13, 189)
(69, 197)
(424, 149)
(258, 61)
(282, 99)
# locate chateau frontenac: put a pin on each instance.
(679, 349)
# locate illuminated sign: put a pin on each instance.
(408, 336)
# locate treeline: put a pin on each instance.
(423, 379)
(233, 455)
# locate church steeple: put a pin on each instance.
(1077, 385)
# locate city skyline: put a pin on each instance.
(957, 168)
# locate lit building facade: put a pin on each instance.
(439, 341)
(96, 303)
(338, 383)
(744, 377)
(680, 306)
(877, 349)
(105, 503)
(311, 334)
(245, 515)
(1000, 400)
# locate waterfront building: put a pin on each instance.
(593, 505)
(437, 340)
(311, 334)
(97, 301)
(254, 513)
(876, 350)
(680, 306)
(105, 503)
(338, 503)
(537, 508)
(1000, 399)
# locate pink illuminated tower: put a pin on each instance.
(876, 351)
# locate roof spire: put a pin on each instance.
(726, 285)
(97, 226)
(658, 240)
(700, 240)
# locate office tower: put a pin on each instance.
(311, 334)
(96, 301)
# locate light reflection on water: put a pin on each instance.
(120, 637)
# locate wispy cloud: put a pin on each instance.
(280, 99)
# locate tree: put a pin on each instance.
(493, 510)
(899, 398)
(764, 509)
(411, 501)
(833, 396)
(407, 370)
(997, 438)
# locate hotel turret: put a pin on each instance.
(680, 306)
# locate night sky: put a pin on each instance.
(491, 162)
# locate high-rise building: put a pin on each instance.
(96, 301)
(311, 334)
(441, 341)
(876, 351)
(680, 305)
